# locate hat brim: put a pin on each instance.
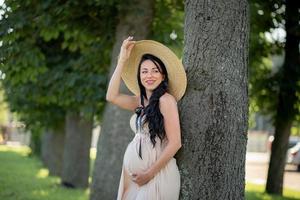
(176, 73)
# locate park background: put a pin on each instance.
(56, 58)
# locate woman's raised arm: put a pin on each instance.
(113, 94)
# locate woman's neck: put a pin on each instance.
(148, 93)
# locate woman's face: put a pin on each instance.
(150, 75)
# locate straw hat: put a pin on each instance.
(176, 73)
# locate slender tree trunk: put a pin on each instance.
(287, 99)
(214, 111)
(115, 131)
(76, 159)
(52, 147)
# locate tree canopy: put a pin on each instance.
(55, 55)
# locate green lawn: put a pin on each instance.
(24, 178)
(254, 192)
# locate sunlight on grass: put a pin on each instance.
(27, 179)
(22, 150)
(256, 192)
(41, 193)
(42, 173)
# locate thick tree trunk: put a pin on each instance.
(115, 131)
(52, 147)
(214, 111)
(76, 160)
(287, 99)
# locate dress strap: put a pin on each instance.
(138, 125)
(140, 149)
(138, 121)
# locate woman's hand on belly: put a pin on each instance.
(142, 178)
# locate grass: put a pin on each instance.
(24, 178)
(255, 191)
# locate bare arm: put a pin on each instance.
(113, 92)
(168, 108)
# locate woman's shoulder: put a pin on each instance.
(167, 98)
(167, 104)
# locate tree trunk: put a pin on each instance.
(76, 158)
(214, 111)
(287, 99)
(52, 147)
(115, 131)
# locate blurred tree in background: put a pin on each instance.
(267, 42)
(3, 109)
(160, 20)
(134, 19)
(275, 91)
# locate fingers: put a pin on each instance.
(131, 45)
(126, 48)
(129, 38)
(128, 41)
(134, 176)
(137, 179)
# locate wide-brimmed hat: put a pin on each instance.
(176, 74)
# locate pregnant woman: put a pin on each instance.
(157, 79)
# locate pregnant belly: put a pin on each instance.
(132, 161)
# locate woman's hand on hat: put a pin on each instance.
(126, 48)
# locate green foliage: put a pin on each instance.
(265, 79)
(55, 57)
(169, 32)
(263, 86)
(3, 109)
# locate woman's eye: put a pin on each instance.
(144, 72)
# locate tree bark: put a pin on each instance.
(115, 131)
(52, 147)
(287, 99)
(76, 158)
(214, 110)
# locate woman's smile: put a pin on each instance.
(150, 82)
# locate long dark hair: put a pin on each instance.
(151, 111)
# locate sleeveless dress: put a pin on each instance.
(139, 156)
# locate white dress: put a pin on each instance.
(166, 183)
